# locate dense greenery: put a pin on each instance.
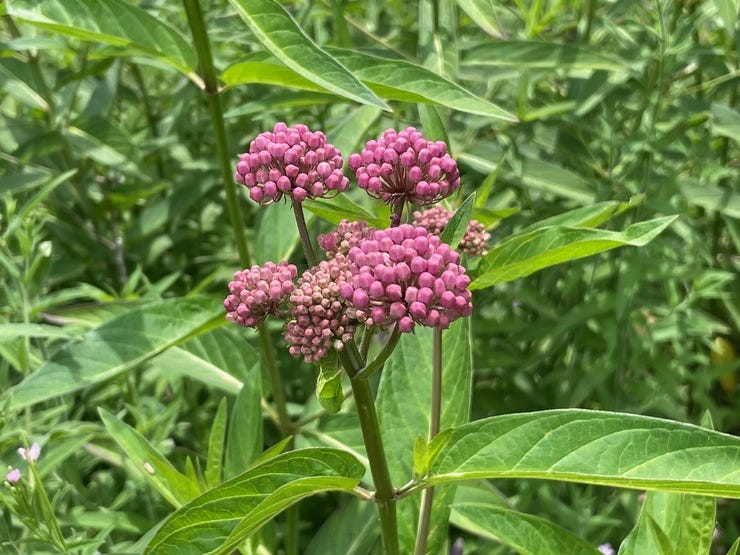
(581, 127)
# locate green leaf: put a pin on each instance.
(432, 124)
(735, 549)
(174, 486)
(728, 10)
(329, 385)
(283, 38)
(409, 82)
(115, 347)
(726, 121)
(686, 522)
(526, 534)
(717, 199)
(14, 331)
(522, 255)
(341, 208)
(214, 459)
(541, 55)
(455, 229)
(277, 234)
(351, 530)
(220, 359)
(115, 22)
(245, 435)
(604, 448)
(241, 505)
(483, 14)
(389, 78)
(587, 216)
(348, 133)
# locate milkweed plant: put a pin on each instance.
(399, 256)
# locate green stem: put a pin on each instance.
(384, 494)
(397, 213)
(427, 497)
(383, 355)
(212, 90)
(303, 232)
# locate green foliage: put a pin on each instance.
(579, 128)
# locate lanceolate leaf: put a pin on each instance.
(541, 55)
(174, 486)
(247, 501)
(606, 448)
(115, 22)
(284, 39)
(117, 346)
(388, 78)
(526, 534)
(522, 255)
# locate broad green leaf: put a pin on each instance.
(603, 448)
(17, 80)
(712, 198)
(432, 124)
(283, 38)
(245, 435)
(281, 101)
(587, 216)
(726, 121)
(348, 134)
(526, 534)
(341, 208)
(250, 499)
(686, 521)
(455, 229)
(220, 358)
(216, 440)
(352, 530)
(525, 254)
(174, 486)
(392, 79)
(115, 347)
(277, 234)
(115, 22)
(541, 55)
(329, 385)
(728, 10)
(401, 80)
(403, 404)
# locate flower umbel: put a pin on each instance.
(348, 235)
(406, 167)
(259, 291)
(473, 243)
(404, 275)
(319, 315)
(292, 161)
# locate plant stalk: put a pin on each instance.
(427, 496)
(384, 494)
(300, 221)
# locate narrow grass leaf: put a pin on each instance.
(603, 448)
(524, 533)
(204, 524)
(541, 55)
(174, 486)
(216, 440)
(115, 347)
(115, 22)
(522, 255)
(283, 38)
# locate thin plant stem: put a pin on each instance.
(300, 221)
(427, 496)
(397, 213)
(384, 494)
(383, 355)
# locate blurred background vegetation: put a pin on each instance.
(110, 195)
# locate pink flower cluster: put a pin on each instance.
(348, 235)
(404, 275)
(292, 161)
(259, 291)
(406, 167)
(473, 243)
(319, 316)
